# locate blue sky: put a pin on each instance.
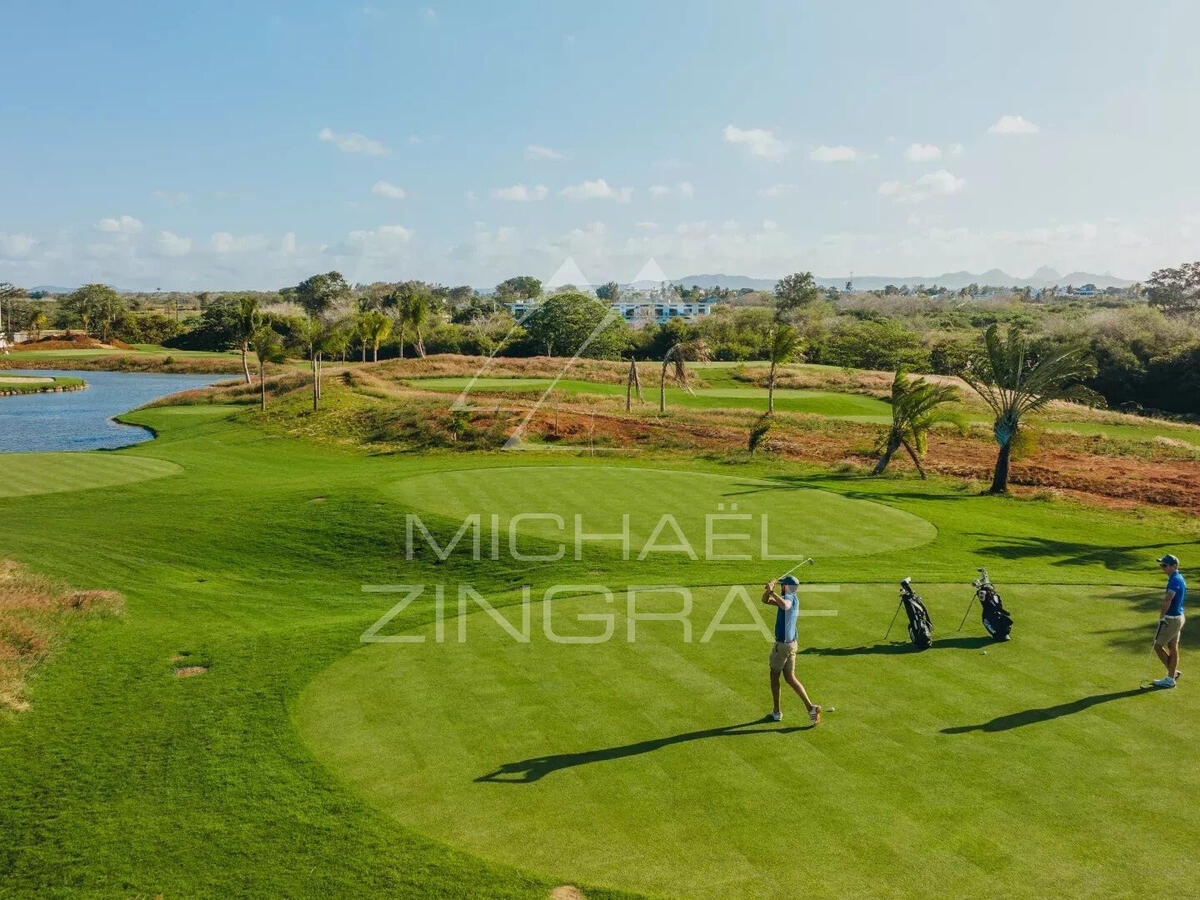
(248, 144)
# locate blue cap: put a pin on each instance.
(1168, 560)
(789, 579)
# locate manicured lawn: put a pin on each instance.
(33, 384)
(44, 473)
(855, 407)
(302, 764)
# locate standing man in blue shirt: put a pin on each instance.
(783, 653)
(1170, 625)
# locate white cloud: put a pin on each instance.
(957, 149)
(646, 226)
(597, 190)
(923, 153)
(353, 142)
(934, 184)
(384, 241)
(429, 14)
(684, 189)
(15, 246)
(224, 242)
(170, 244)
(470, 196)
(1013, 125)
(536, 151)
(778, 190)
(840, 153)
(758, 141)
(288, 245)
(521, 193)
(387, 189)
(172, 196)
(123, 225)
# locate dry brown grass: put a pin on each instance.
(35, 614)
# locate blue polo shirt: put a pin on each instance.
(1174, 583)
(785, 621)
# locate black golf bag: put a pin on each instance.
(996, 620)
(920, 627)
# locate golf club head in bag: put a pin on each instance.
(996, 620)
(920, 626)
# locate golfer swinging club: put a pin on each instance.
(1170, 625)
(783, 654)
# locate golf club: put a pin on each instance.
(803, 562)
(971, 602)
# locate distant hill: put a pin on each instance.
(1043, 277)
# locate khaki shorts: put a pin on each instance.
(782, 654)
(1168, 630)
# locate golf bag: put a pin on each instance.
(920, 627)
(996, 620)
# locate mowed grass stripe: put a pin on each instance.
(46, 473)
(972, 750)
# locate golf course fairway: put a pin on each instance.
(548, 499)
(648, 765)
(302, 762)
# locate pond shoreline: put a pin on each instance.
(64, 417)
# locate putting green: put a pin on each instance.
(646, 765)
(799, 521)
(50, 473)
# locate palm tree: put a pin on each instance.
(1013, 384)
(247, 320)
(916, 407)
(267, 347)
(416, 312)
(376, 328)
(677, 359)
(782, 346)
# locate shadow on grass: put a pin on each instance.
(881, 490)
(1045, 714)
(1077, 553)
(530, 770)
(897, 648)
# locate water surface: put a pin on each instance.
(82, 420)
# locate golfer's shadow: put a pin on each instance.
(1045, 714)
(530, 770)
(895, 648)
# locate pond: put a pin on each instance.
(82, 420)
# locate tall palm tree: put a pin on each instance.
(917, 405)
(377, 327)
(1013, 384)
(267, 347)
(416, 312)
(248, 319)
(677, 359)
(782, 345)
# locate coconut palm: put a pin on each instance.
(1013, 384)
(917, 405)
(782, 346)
(677, 359)
(375, 327)
(247, 320)
(416, 312)
(268, 347)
